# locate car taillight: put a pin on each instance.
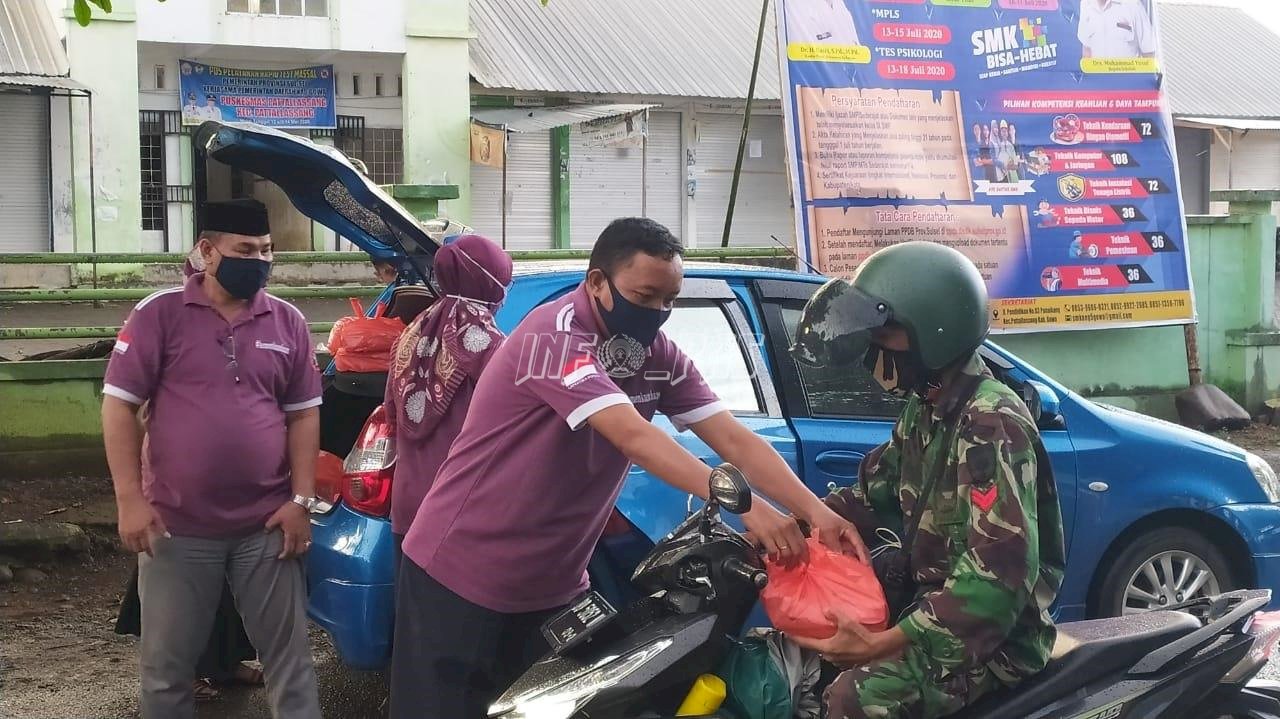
(366, 475)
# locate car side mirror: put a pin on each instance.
(729, 489)
(1043, 402)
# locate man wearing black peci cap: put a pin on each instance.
(222, 487)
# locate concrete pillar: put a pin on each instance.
(436, 105)
(689, 149)
(423, 201)
(1258, 254)
(104, 56)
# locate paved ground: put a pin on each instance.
(60, 658)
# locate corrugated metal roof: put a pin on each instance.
(29, 43)
(533, 119)
(682, 48)
(1234, 123)
(62, 83)
(1219, 62)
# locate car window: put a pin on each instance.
(703, 331)
(839, 391)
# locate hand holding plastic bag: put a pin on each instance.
(800, 598)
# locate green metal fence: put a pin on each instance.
(162, 258)
(119, 294)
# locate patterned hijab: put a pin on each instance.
(453, 338)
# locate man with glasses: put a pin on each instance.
(221, 489)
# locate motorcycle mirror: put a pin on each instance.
(729, 489)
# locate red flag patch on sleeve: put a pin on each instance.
(578, 369)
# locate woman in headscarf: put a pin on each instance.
(226, 656)
(435, 365)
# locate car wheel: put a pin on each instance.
(1161, 568)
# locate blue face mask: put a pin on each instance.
(630, 319)
(242, 277)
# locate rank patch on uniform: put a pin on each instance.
(983, 499)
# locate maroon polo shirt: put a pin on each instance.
(216, 460)
(519, 503)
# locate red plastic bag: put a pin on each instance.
(798, 598)
(363, 344)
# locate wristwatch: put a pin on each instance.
(307, 503)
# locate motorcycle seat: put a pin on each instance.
(1083, 653)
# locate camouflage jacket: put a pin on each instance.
(988, 555)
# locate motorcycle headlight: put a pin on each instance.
(1265, 475)
(562, 700)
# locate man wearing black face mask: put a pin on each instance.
(221, 488)
(964, 482)
(562, 410)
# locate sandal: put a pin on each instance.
(204, 691)
(248, 675)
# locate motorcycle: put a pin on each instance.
(1198, 659)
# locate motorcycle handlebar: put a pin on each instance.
(735, 567)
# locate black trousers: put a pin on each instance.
(452, 659)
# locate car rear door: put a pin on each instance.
(838, 414)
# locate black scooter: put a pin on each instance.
(1196, 660)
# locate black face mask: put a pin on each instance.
(899, 373)
(630, 319)
(242, 277)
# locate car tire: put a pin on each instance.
(1136, 579)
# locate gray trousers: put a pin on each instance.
(180, 588)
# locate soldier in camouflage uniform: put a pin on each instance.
(987, 557)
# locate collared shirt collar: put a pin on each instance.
(193, 294)
(583, 311)
(946, 404)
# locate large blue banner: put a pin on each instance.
(297, 98)
(1029, 134)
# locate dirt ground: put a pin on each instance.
(60, 657)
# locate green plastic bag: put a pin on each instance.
(756, 686)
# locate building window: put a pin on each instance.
(293, 8)
(160, 78)
(384, 154)
(399, 85)
(377, 85)
(355, 84)
(153, 205)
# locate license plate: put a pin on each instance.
(577, 622)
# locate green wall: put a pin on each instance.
(104, 56)
(51, 422)
(436, 105)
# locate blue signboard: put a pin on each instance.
(297, 98)
(1031, 135)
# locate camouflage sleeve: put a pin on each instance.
(992, 522)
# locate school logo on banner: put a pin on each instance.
(1071, 187)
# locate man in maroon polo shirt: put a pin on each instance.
(503, 537)
(222, 487)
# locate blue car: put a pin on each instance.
(1154, 513)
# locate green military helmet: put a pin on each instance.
(931, 290)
